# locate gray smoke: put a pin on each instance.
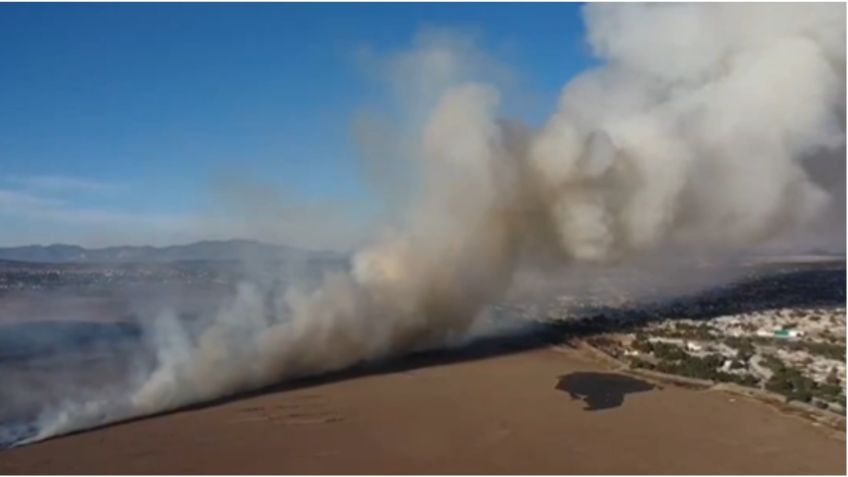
(693, 135)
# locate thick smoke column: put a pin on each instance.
(697, 128)
(693, 134)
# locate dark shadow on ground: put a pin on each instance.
(601, 390)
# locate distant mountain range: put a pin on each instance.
(219, 250)
(205, 250)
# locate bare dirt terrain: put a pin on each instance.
(515, 413)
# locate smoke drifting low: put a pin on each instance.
(694, 134)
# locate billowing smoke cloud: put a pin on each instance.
(698, 127)
(694, 134)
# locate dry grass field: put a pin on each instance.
(505, 414)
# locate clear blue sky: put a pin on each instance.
(124, 114)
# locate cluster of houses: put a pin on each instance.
(817, 324)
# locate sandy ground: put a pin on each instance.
(496, 415)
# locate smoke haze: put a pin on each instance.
(695, 135)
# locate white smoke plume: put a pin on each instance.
(692, 135)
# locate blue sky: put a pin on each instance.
(120, 123)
